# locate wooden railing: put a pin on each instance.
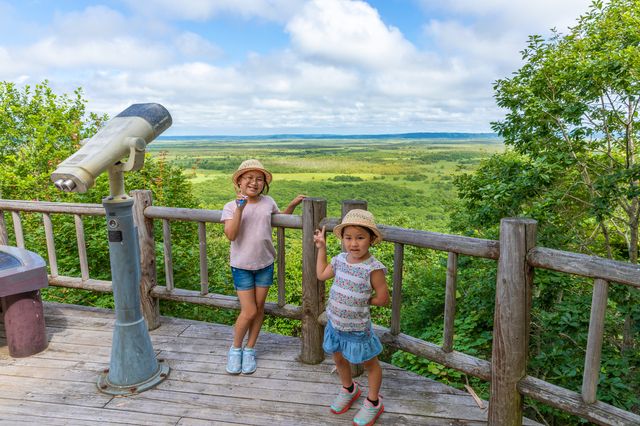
(516, 255)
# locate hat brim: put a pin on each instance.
(337, 231)
(239, 173)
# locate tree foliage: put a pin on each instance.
(571, 129)
(38, 130)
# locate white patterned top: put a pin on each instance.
(348, 306)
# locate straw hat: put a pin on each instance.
(247, 166)
(359, 217)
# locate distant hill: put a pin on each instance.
(421, 135)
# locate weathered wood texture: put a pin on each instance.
(168, 257)
(511, 320)
(17, 228)
(281, 263)
(396, 293)
(450, 302)
(4, 238)
(204, 270)
(214, 216)
(148, 275)
(51, 207)
(58, 386)
(566, 400)
(222, 301)
(462, 245)
(591, 375)
(82, 247)
(585, 265)
(313, 211)
(51, 246)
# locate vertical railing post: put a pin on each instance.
(347, 206)
(511, 320)
(148, 276)
(4, 238)
(313, 211)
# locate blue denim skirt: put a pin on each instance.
(355, 346)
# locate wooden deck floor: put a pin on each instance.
(58, 386)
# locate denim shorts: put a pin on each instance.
(245, 279)
(355, 346)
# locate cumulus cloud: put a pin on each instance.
(343, 68)
(348, 32)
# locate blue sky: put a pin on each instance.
(246, 67)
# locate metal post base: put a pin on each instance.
(105, 386)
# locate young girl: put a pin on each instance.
(359, 282)
(247, 224)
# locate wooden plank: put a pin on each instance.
(214, 216)
(168, 258)
(51, 246)
(511, 321)
(72, 413)
(281, 266)
(84, 394)
(75, 282)
(571, 402)
(204, 270)
(313, 290)
(148, 275)
(4, 238)
(17, 229)
(450, 302)
(457, 360)
(463, 245)
(585, 265)
(396, 294)
(82, 247)
(52, 207)
(222, 301)
(591, 375)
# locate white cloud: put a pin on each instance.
(193, 45)
(343, 68)
(347, 32)
(120, 52)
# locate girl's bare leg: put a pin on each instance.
(248, 312)
(374, 371)
(256, 324)
(344, 369)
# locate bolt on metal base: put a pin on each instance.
(105, 386)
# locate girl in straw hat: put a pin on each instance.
(247, 224)
(359, 282)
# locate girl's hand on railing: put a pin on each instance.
(294, 203)
(318, 238)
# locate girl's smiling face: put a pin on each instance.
(357, 241)
(251, 183)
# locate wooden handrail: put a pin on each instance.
(603, 271)
(585, 265)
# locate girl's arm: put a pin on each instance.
(379, 284)
(293, 204)
(324, 270)
(232, 226)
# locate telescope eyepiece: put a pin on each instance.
(68, 185)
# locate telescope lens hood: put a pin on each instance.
(155, 114)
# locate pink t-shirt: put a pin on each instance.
(253, 248)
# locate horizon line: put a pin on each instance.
(336, 135)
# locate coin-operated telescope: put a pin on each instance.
(133, 367)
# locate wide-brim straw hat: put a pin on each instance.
(249, 165)
(357, 217)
